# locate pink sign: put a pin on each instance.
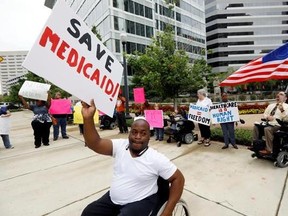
(155, 118)
(139, 95)
(60, 106)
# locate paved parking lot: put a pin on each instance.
(61, 179)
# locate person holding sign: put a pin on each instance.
(41, 122)
(228, 129)
(159, 132)
(136, 171)
(205, 132)
(61, 121)
(4, 130)
(120, 113)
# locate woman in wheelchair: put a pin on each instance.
(135, 172)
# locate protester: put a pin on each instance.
(120, 113)
(41, 122)
(61, 122)
(159, 132)
(205, 132)
(4, 131)
(136, 170)
(228, 129)
(274, 111)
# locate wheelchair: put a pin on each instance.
(280, 145)
(181, 208)
(180, 130)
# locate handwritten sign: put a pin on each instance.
(60, 106)
(34, 90)
(155, 118)
(199, 114)
(78, 118)
(68, 54)
(224, 112)
(139, 95)
(4, 125)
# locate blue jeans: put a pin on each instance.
(159, 132)
(228, 133)
(61, 122)
(6, 141)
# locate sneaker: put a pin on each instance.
(225, 147)
(235, 146)
(65, 137)
(11, 147)
(55, 138)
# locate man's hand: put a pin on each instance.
(88, 111)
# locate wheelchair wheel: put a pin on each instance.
(181, 209)
(188, 138)
(282, 159)
(112, 125)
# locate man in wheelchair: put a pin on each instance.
(136, 170)
(269, 124)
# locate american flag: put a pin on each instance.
(274, 65)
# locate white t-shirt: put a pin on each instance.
(206, 102)
(136, 178)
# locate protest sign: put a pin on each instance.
(224, 112)
(139, 95)
(78, 118)
(34, 90)
(68, 54)
(60, 106)
(4, 125)
(199, 114)
(154, 118)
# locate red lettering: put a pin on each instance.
(79, 68)
(88, 65)
(72, 58)
(62, 49)
(95, 76)
(109, 87)
(103, 81)
(53, 38)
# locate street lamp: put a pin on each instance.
(123, 38)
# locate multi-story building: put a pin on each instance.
(241, 30)
(11, 68)
(141, 20)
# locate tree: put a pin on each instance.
(163, 70)
(13, 91)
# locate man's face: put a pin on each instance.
(280, 97)
(139, 136)
(224, 97)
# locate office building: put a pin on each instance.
(240, 31)
(11, 68)
(141, 20)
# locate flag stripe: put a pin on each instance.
(275, 66)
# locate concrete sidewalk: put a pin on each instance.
(61, 179)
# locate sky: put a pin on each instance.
(21, 23)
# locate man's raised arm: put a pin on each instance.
(91, 136)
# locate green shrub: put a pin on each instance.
(253, 97)
(242, 136)
(242, 97)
